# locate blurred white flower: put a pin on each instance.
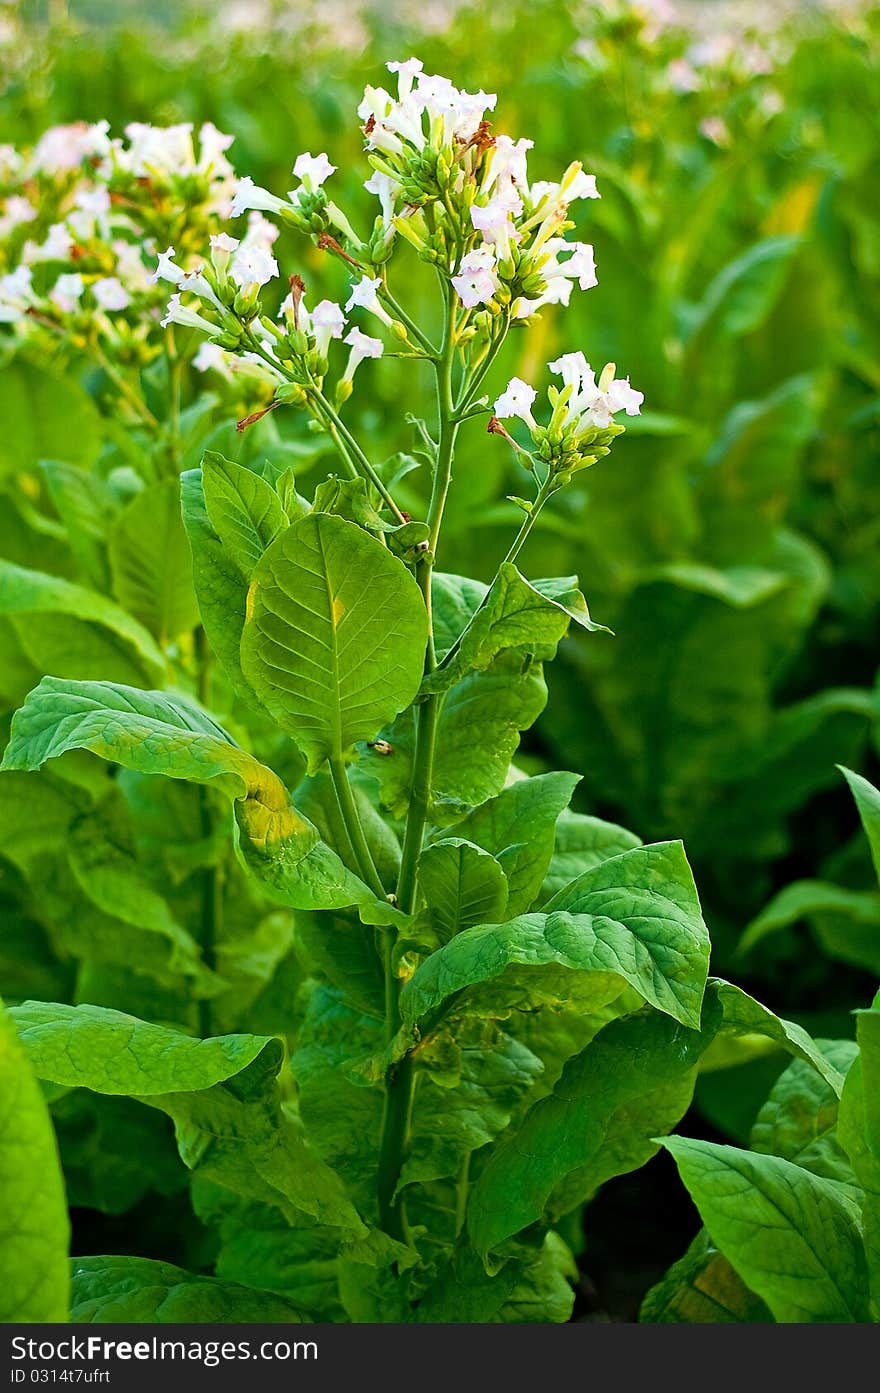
(111, 294)
(67, 291)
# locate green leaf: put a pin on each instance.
(86, 507)
(792, 1236)
(244, 511)
(518, 827)
(526, 618)
(463, 884)
(220, 587)
(34, 1239)
(110, 1052)
(261, 1249)
(349, 498)
(163, 733)
(634, 1080)
(580, 843)
(45, 417)
(742, 294)
(114, 1151)
(80, 632)
(702, 1289)
(139, 1291)
(744, 1017)
(109, 877)
(531, 1286)
(494, 1073)
(846, 921)
(151, 564)
(335, 636)
(635, 919)
(868, 803)
(859, 1133)
(153, 733)
(799, 1119)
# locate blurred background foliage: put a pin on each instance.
(731, 542)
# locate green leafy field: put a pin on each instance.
(328, 1028)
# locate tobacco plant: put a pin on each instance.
(394, 1102)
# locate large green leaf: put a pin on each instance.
(702, 1289)
(792, 1236)
(335, 635)
(163, 733)
(110, 1052)
(580, 843)
(463, 885)
(452, 1118)
(846, 922)
(140, 1290)
(35, 1231)
(45, 417)
(517, 827)
(244, 510)
(220, 1092)
(742, 294)
(220, 586)
(259, 1247)
(745, 1021)
(526, 618)
(868, 803)
(151, 564)
(602, 1119)
(632, 920)
(79, 632)
(859, 1133)
(799, 1119)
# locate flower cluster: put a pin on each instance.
(581, 425)
(81, 218)
(447, 185)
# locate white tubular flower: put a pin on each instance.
(476, 281)
(67, 291)
(222, 247)
(506, 163)
(362, 346)
(495, 219)
(327, 321)
(167, 268)
(517, 399)
(576, 184)
(581, 265)
(407, 72)
(15, 294)
(253, 266)
(312, 171)
(249, 195)
(591, 403)
(386, 190)
(157, 149)
(111, 294)
(130, 268)
(91, 212)
(57, 246)
(363, 295)
(212, 147)
(261, 232)
(17, 210)
(212, 358)
(62, 148)
(177, 313)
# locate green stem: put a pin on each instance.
(544, 492)
(401, 1078)
(462, 1190)
(352, 820)
(360, 458)
(412, 328)
(175, 376)
(212, 878)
